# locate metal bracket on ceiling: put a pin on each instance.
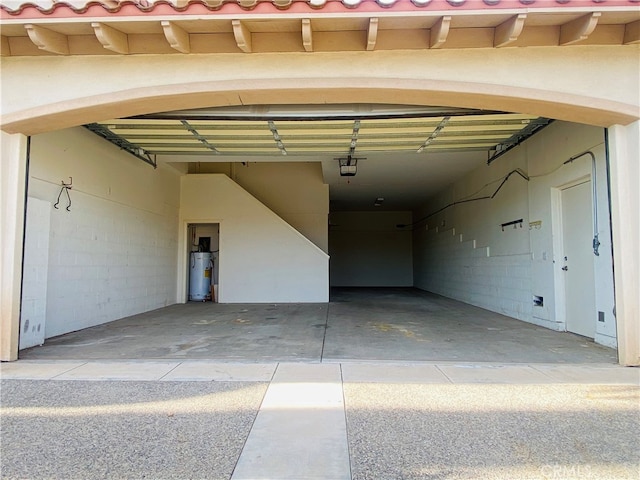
(276, 137)
(200, 138)
(354, 138)
(349, 165)
(138, 152)
(434, 134)
(531, 129)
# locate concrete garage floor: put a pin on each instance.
(379, 384)
(397, 325)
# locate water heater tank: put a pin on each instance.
(201, 268)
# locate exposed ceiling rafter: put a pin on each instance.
(48, 40)
(111, 39)
(177, 37)
(579, 29)
(509, 31)
(440, 32)
(54, 33)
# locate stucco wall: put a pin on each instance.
(590, 84)
(463, 253)
(114, 253)
(625, 204)
(13, 152)
(368, 250)
(262, 258)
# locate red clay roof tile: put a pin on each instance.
(79, 7)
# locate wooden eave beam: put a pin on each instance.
(372, 34)
(242, 36)
(579, 29)
(5, 50)
(509, 31)
(177, 37)
(307, 35)
(632, 33)
(110, 38)
(440, 32)
(48, 40)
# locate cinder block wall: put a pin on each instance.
(459, 269)
(463, 253)
(368, 249)
(114, 253)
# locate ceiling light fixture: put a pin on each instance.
(378, 202)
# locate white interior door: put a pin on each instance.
(577, 226)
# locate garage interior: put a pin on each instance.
(433, 234)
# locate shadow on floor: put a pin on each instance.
(363, 324)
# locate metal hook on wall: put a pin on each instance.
(65, 188)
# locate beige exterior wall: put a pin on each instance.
(565, 83)
(625, 180)
(12, 202)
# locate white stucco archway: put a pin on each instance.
(561, 83)
(566, 84)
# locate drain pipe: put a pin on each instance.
(594, 185)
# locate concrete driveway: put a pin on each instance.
(206, 420)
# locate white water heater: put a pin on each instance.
(201, 269)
